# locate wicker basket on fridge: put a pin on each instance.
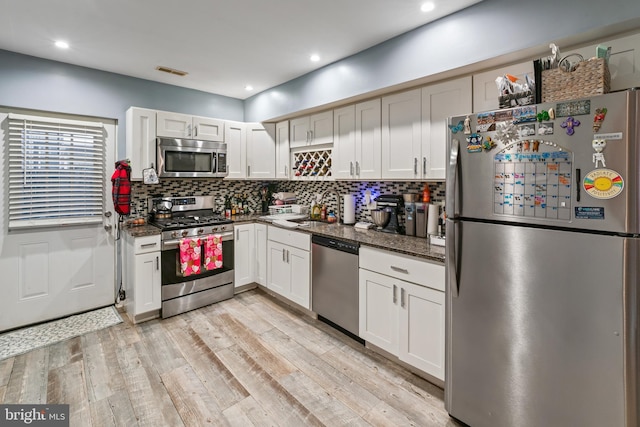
(586, 79)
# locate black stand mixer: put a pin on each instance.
(394, 205)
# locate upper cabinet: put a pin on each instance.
(261, 150)
(414, 129)
(236, 140)
(439, 102)
(283, 157)
(315, 129)
(251, 150)
(140, 140)
(357, 141)
(401, 135)
(175, 125)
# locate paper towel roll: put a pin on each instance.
(432, 219)
(349, 211)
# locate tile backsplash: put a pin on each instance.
(305, 190)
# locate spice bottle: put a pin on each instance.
(323, 213)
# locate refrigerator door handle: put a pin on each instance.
(452, 175)
(451, 256)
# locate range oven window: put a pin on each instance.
(188, 161)
(170, 259)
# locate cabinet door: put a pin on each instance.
(278, 272)
(208, 129)
(299, 132)
(174, 125)
(300, 266)
(378, 302)
(321, 127)
(401, 130)
(261, 254)
(344, 151)
(485, 91)
(439, 102)
(422, 329)
(141, 140)
(368, 140)
(283, 155)
(244, 254)
(147, 282)
(236, 149)
(261, 151)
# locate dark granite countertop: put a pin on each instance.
(408, 245)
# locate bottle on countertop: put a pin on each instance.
(315, 211)
(426, 194)
(323, 212)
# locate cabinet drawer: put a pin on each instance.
(146, 244)
(403, 267)
(290, 238)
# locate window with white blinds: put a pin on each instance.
(56, 171)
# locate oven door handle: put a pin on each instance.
(170, 244)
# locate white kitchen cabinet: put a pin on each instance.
(357, 141)
(250, 254)
(176, 125)
(401, 135)
(402, 308)
(236, 140)
(439, 102)
(283, 155)
(315, 129)
(485, 91)
(244, 254)
(140, 140)
(261, 151)
(261, 254)
(289, 265)
(142, 279)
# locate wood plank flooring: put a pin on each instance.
(248, 361)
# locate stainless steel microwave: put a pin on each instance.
(190, 158)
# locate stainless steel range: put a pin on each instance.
(191, 222)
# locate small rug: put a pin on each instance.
(26, 339)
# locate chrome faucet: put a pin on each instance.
(327, 192)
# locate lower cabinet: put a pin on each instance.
(289, 265)
(404, 318)
(141, 257)
(250, 254)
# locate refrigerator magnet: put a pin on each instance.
(598, 118)
(457, 128)
(569, 124)
(474, 143)
(598, 156)
(488, 144)
(603, 183)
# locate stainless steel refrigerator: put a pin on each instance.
(542, 257)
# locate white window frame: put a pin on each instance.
(56, 171)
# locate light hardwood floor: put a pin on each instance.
(246, 361)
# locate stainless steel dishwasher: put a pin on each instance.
(334, 283)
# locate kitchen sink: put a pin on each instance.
(285, 216)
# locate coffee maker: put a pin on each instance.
(394, 205)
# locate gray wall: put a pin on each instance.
(486, 30)
(40, 84)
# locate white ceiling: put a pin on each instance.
(224, 45)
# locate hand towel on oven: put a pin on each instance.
(190, 251)
(213, 252)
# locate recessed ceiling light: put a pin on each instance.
(315, 57)
(427, 7)
(248, 88)
(62, 44)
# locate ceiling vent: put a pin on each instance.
(171, 71)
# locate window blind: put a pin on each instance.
(56, 170)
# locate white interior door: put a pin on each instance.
(53, 272)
